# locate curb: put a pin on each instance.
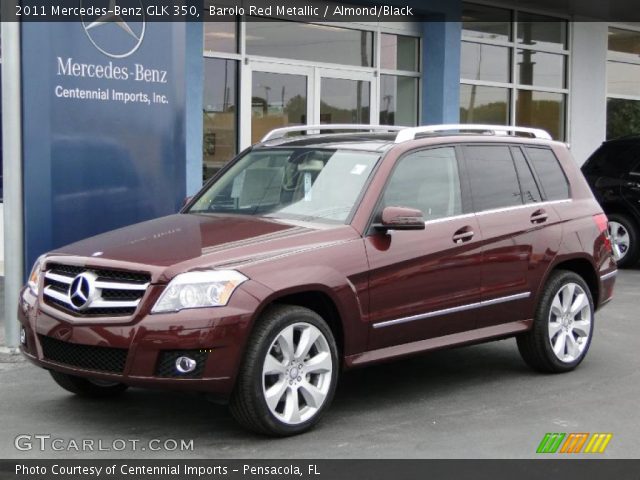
(9, 351)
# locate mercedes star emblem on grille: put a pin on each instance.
(82, 290)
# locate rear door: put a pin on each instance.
(517, 244)
(423, 283)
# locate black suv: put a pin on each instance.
(613, 172)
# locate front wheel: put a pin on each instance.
(289, 373)
(563, 325)
(87, 387)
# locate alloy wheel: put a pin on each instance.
(296, 373)
(570, 322)
(620, 239)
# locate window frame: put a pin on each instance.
(543, 192)
(467, 160)
(513, 86)
(465, 194)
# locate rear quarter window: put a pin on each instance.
(550, 173)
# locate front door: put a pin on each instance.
(424, 283)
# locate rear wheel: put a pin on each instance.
(86, 387)
(624, 237)
(289, 373)
(563, 325)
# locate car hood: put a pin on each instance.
(183, 242)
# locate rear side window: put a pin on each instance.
(493, 177)
(428, 181)
(530, 191)
(614, 160)
(547, 167)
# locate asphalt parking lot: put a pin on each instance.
(475, 402)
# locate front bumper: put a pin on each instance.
(140, 353)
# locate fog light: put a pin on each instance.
(23, 336)
(185, 364)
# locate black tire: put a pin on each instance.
(535, 345)
(247, 403)
(633, 253)
(87, 388)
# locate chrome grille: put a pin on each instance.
(112, 292)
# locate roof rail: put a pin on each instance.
(410, 133)
(282, 132)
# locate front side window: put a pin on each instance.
(428, 181)
(304, 184)
(493, 177)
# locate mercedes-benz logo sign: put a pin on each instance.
(118, 42)
(82, 291)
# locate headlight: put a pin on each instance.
(34, 278)
(199, 289)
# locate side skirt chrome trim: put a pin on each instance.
(462, 338)
(446, 311)
(607, 276)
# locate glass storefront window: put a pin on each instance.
(220, 116)
(541, 69)
(344, 101)
(399, 52)
(311, 42)
(544, 110)
(479, 61)
(398, 100)
(623, 78)
(277, 100)
(486, 23)
(623, 117)
(541, 31)
(479, 104)
(625, 42)
(221, 37)
(513, 68)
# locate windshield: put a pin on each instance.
(298, 183)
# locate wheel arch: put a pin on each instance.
(341, 310)
(582, 266)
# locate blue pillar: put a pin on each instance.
(441, 77)
(194, 84)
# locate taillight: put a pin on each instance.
(602, 222)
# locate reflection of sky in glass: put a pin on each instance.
(623, 78)
(309, 42)
(342, 94)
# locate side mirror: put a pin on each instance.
(400, 218)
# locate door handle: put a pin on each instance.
(462, 235)
(539, 216)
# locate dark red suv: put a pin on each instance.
(315, 253)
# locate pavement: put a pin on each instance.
(474, 402)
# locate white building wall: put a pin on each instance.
(588, 88)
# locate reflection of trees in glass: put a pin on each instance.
(545, 114)
(297, 109)
(492, 113)
(331, 114)
(623, 117)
